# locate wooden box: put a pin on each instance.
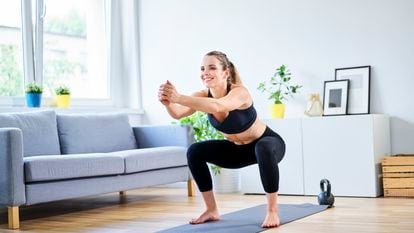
(398, 176)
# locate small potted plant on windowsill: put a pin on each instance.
(62, 96)
(279, 90)
(33, 95)
(225, 180)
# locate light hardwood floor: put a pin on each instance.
(153, 209)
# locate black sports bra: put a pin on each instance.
(237, 121)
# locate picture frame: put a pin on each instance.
(335, 97)
(359, 87)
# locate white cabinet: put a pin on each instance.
(290, 168)
(347, 150)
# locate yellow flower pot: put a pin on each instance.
(62, 101)
(277, 110)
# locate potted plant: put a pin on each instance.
(33, 95)
(62, 96)
(225, 180)
(279, 89)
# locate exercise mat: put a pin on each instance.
(249, 220)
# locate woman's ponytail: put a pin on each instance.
(234, 74)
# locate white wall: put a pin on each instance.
(311, 37)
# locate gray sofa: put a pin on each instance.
(47, 157)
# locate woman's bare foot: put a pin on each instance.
(207, 216)
(271, 220)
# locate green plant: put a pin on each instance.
(279, 86)
(203, 130)
(62, 90)
(34, 88)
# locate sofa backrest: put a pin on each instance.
(40, 136)
(95, 133)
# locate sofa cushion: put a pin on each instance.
(39, 131)
(153, 158)
(59, 167)
(95, 133)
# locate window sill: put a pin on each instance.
(18, 104)
(74, 110)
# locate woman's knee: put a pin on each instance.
(269, 148)
(198, 151)
(192, 151)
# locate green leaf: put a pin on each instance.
(34, 88)
(279, 87)
(62, 90)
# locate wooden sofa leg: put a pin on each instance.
(14, 222)
(191, 188)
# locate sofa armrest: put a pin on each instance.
(12, 190)
(163, 135)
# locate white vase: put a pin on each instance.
(228, 181)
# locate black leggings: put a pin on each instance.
(267, 151)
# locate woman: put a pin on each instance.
(249, 141)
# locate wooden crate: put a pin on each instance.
(398, 176)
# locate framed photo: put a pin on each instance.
(359, 87)
(335, 97)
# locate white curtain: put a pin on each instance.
(124, 54)
(27, 41)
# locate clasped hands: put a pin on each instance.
(167, 93)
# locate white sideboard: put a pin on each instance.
(347, 150)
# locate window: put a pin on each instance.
(65, 42)
(54, 42)
(75, 48)
(11, 68)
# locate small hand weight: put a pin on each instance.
(326, 197)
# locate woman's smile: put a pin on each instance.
(207, 79)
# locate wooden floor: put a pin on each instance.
(153, 209)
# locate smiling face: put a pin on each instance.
(212, 73)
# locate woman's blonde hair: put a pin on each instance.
(226, 63)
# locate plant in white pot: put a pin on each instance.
(225, 180)
(279, 89)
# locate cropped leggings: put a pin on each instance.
(267, 151)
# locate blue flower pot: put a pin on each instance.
(33, 100)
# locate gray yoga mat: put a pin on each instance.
(249, 220)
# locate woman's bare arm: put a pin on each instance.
(178, 111)
(236, 98)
